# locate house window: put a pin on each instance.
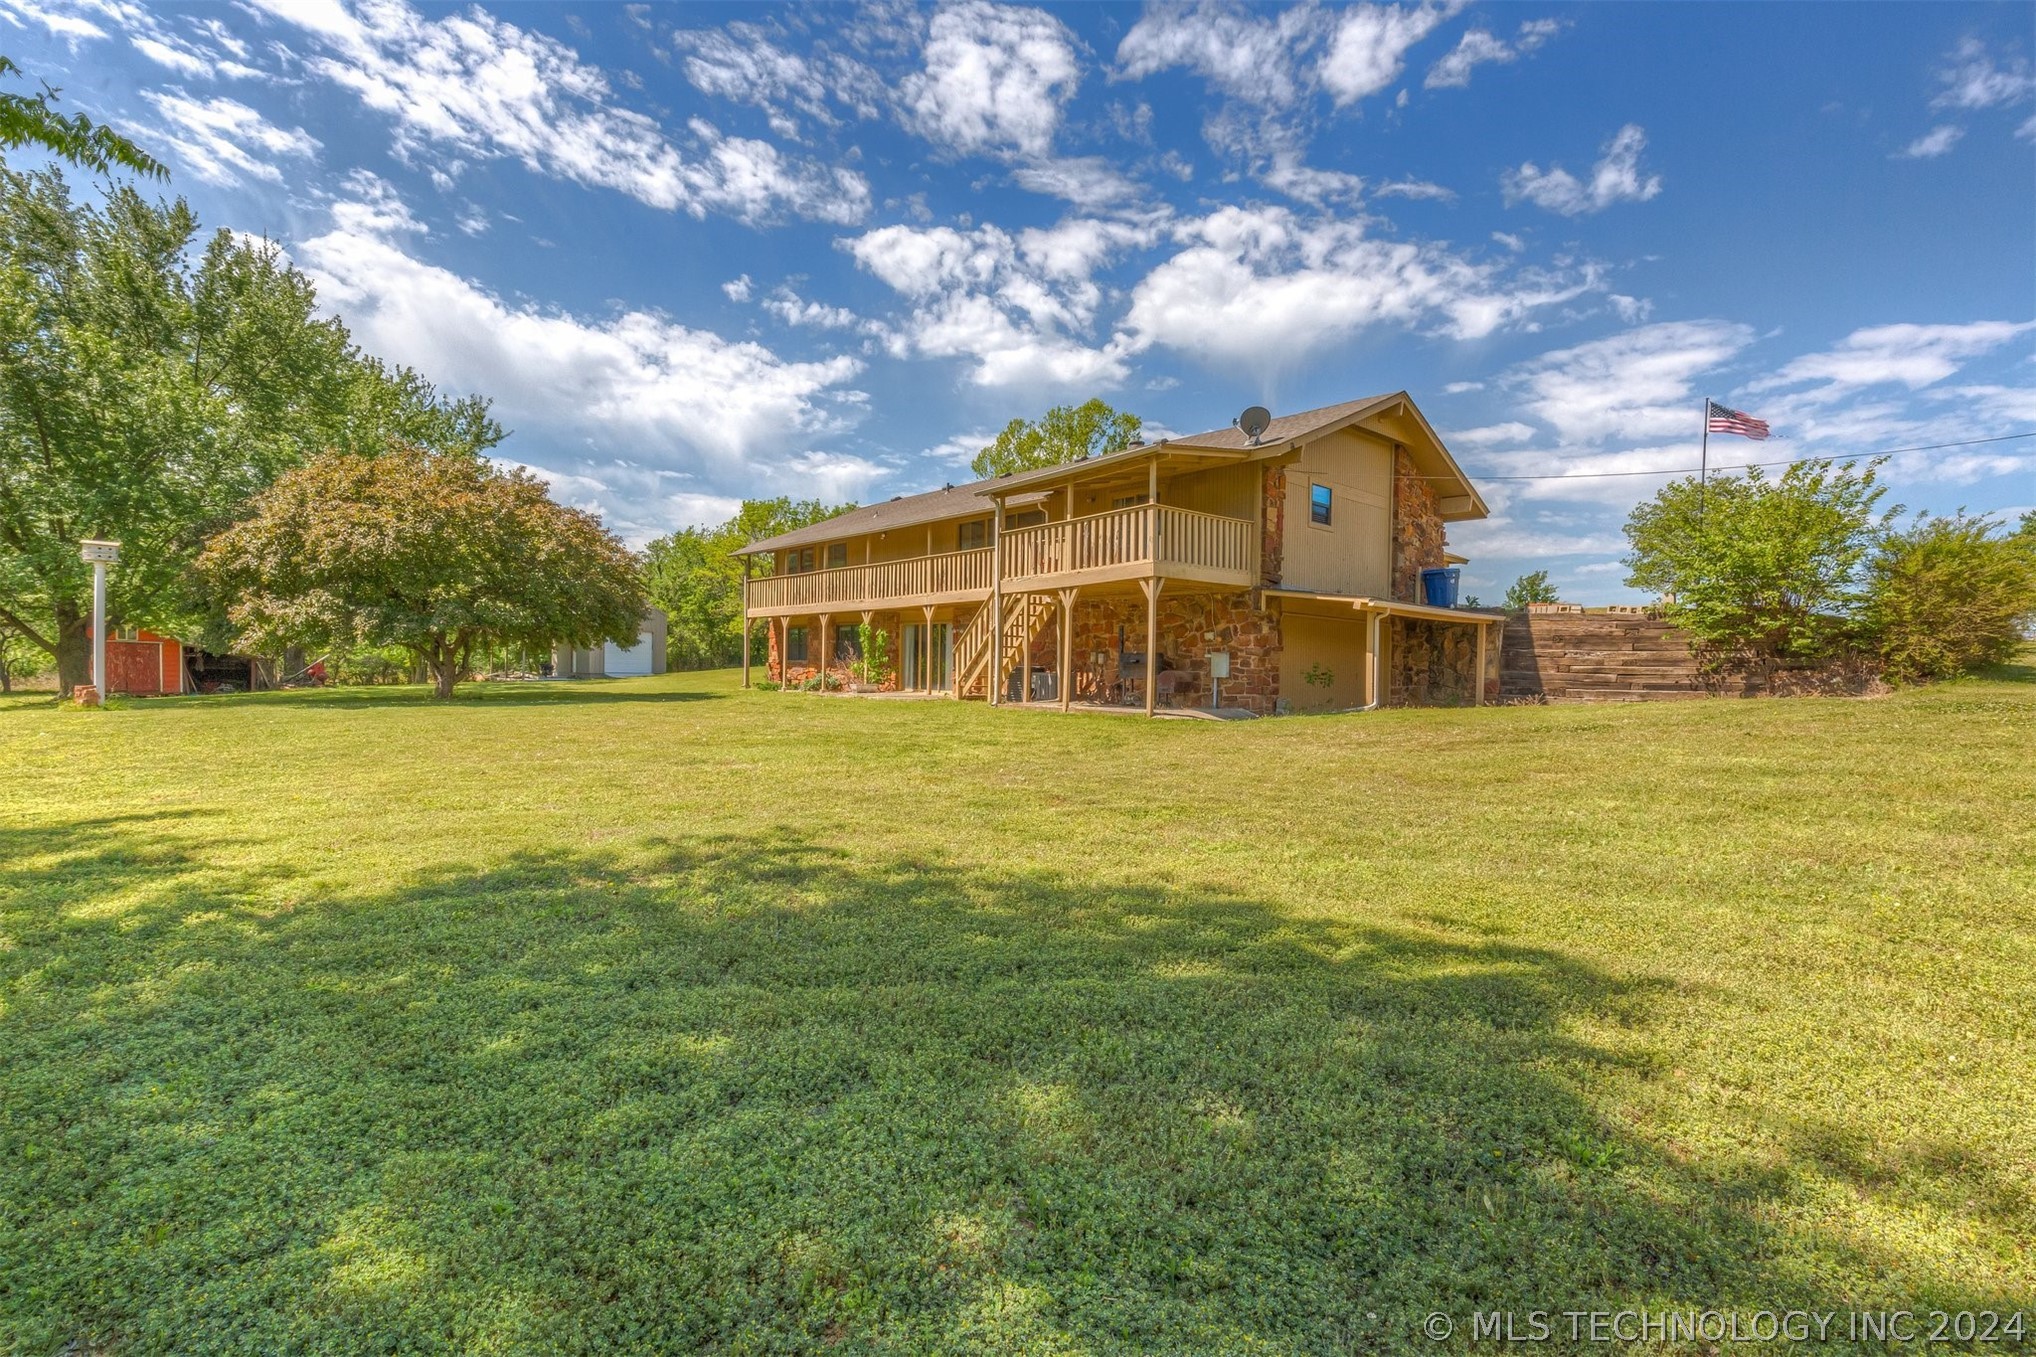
(795, 644)
(1126, 501)
(1030, 518)
(847, 645)
(837, 555)
(797, 562)
(1318, 504)
(972, 536)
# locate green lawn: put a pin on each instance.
(653, 1016)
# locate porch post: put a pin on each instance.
(1484, 639)
(1371, 659)
(926, 641)
(868, 622)
(1025, 649)
(824, 653)
(1067, 640)
(1151, 586)
(993, 679)
(745, 622)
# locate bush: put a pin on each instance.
(820, 683)
(1947, 596)
(1530, 588)
(1760, 572)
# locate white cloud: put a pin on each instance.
(1414, 188)
(1632, 310)
(66, 21)
(1973, 79)
(1259, 289)
(789, 307)
(481, 87)
(741, 63)
(221, 139)
(1248, 55)
(738, 289)
(1479, 46)
(1637, 384)
(728, 417)
(1512, 431)
(1933, 143)
(1458, 388)
(1369, 48)
(1615, 178)
(995, 81)
(1913, 356)
(1018, 305)
(1089, 182)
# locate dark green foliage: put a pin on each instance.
(1529, 588)
(1950, 595)
(145, 394)
(1760, 572)
(694, 576)
(29, 120)
(1066, 433)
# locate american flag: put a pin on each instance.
(1722, 419)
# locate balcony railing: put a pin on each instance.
(1124, 543)
(955, 576)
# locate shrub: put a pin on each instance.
(875, 645)
(1760, 572)
(1531, 588)
(1947, 596)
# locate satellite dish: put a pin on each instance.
(1255, 421)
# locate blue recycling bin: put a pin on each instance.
(1439, 586)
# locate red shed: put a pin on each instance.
(144, 663)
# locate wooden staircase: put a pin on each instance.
(1025, 616)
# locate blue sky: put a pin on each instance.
(707, 252)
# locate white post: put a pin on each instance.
(99, 555)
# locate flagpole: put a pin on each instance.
(1704, 460)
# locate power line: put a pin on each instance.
(1741, 466)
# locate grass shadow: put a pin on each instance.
(754, 1094)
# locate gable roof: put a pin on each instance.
(905, 511)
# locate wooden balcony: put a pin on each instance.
(921, 581)
(1138, 542)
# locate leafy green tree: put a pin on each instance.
(20, 658)
(441, 554)
(1532, 587)
(696, 578)
(28, 120)
(145, 395)
(1066, 433)
(1949, 595)
(1760, 571)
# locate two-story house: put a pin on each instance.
(1275, 573)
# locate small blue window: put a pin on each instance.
(1318, 504)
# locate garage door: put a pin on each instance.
(627, 661)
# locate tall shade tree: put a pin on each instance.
(440, 554)
(695, 577)
(147, 390)
(1758, 570)
(1066, 433)
(1949, 595)
(28, 120)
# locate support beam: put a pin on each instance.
(1067, 642)
(1151, 588)
(993, 678)
(926, 641)
(1024, 649)
(745, 622)
(1371, 659)
(1484, 640)
(823, 655)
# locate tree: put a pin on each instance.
(19, 659)
(1066, 433)
(1531, 588)
(1947, 596)
(1759, 570)
(441, 554)
(145, 395)
(696, 578)
(28, 120)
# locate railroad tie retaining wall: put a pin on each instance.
(1597, 657)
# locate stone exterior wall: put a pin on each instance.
(847, 674)
(1419, 540)
(1434, 664)
(1190, 627)
(1273, 537)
